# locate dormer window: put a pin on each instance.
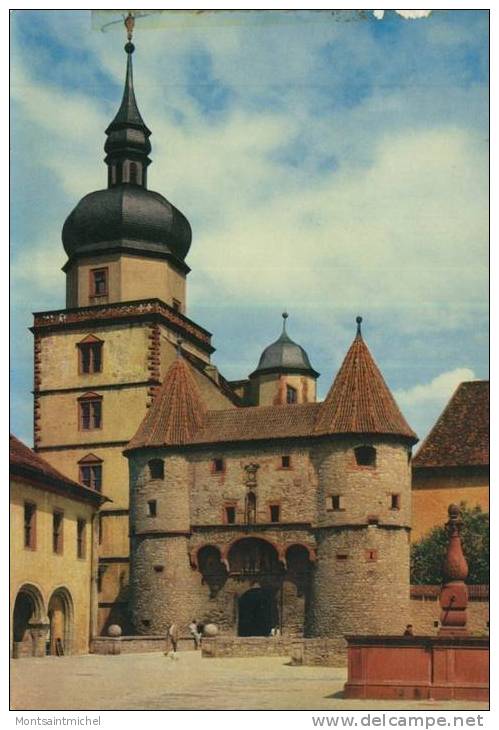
(291, 394)
(365, 456)
(90, 355)
(98, 282)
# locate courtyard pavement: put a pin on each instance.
(156, 682)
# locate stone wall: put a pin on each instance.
(222, 646)
(319, 652)
(138, 644)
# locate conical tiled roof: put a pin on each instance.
(176, 413)
(359, 400)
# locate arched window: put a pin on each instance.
(156, 469)
(134, 173)
(365, 455)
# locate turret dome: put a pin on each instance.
(285, 356)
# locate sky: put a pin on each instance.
(330, 163)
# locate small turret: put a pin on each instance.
(284, 374)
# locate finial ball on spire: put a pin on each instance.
(359, 322)
(129, 48)
(285, 315)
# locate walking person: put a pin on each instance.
(195, 633)
(172, 639)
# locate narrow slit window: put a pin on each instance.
(218, 466)
(286, 462)
(29, 525)
(57, 532)
(275, 513)
(395, 501)
(336, 502)
(230, 514)
(152, 508)
(81, 538)
(291, 394)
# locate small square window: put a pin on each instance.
(395, 501)
(336, 502)
(365, 455)
(286, 462)
(341, 556)
(218, 465)
(157, 469)
(371, 555)
(230, 514)
(291, 394)
(152, 508)
(98, 282)
(275, 513)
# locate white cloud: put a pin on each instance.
(438, 391)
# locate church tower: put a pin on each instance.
(98, 363)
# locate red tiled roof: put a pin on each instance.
(258, 422)
(460, 437)
(176, 413)
(359, 400)
(25, 462)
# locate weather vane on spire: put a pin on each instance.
(129, 25)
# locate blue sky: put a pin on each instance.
(329, 164)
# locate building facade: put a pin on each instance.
(53, 569)
(248, 504)
(452, 464)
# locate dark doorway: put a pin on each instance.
(257, 612)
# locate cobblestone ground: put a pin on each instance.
(156, 682)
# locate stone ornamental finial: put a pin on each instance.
(454, 593)
(359, 322)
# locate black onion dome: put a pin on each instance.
(126, 216)
(286, 356)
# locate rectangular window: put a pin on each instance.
(100, 530)
(285, 462)
(30, 525)
(275, 513)
(90, 357)
(57, 532)
(90, 414)
(98, 282)
(218, 466)
(291, 394)
(81, 533)
(91, 476)
(152, 508)
(341, 556)
(230, 514)
(336, 502)
(395, 501)
(371, 556)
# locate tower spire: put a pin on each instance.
(127, 145)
